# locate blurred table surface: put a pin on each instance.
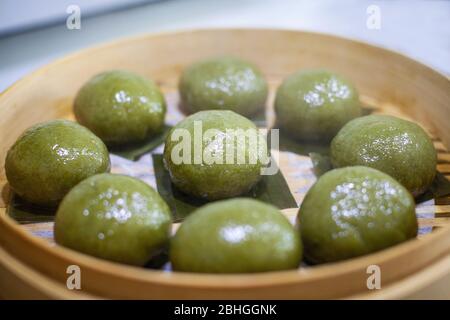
(420, 29)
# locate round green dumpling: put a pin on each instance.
(48, 159)
(223, 83)
(120, 107)
(114, 217)
(395, 146)
(354, 211)
(314, 105)
(235, 236)
(211, 154)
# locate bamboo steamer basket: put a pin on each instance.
(31, 267)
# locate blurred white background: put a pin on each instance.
(420, 29)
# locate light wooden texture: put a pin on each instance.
(19, 281)
(389, 82)
(432, 282)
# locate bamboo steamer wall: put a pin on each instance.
(388, 78)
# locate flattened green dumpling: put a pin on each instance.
(208, 170)
(120, 107)
(48, 159)
(235, 236)
(224, 83)
(395, 146)
(354, 211)
(114, 217)
(313, 105)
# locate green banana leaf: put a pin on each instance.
(272, 189)
(135, 151)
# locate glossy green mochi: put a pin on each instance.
(223, 83)
(353, 211)
(120, 107)
(113, 217)
(48, 159)
(397, 147)
(314, 105)
(200, 165)
(235, 236)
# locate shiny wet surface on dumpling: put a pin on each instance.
(48, 159)
(114, 217)
(223, 83)
(315, 104)
(397, 147)
(217, 167)
(354, 211)
(236, 236)
(120, 107)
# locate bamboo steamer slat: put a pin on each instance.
(393, 83)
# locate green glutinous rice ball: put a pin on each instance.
(223, 83)
(354, 211)
(212, 155)
(313, 105)
(114, 217)
(236, 236)
(49, 158)
(121, 107)
(395, 146)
